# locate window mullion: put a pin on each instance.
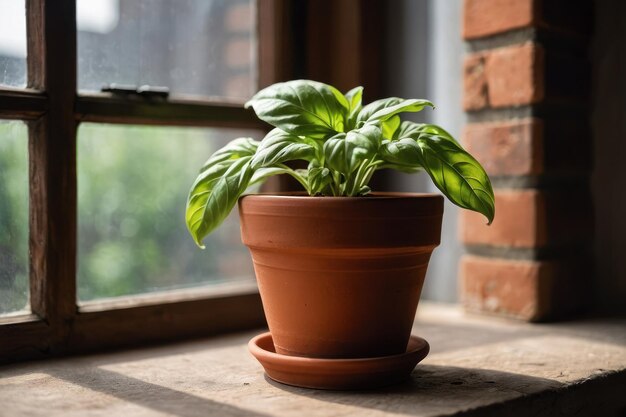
(52, 151)
(22, 104)
(111, 109)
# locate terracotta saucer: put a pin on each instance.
(337, 374)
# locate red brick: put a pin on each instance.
(531, 219)
(507, 148)
(519, 222)
(504, 287)
(475, 83)
(504, 77)
(515, 75)
(489, 17)
(527, 290)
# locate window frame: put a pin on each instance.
(52, 108)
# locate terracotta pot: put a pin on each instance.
(340, 277)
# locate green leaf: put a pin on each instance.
(224, 177)
(386, 108)
(336, 154)
(400, 155)
(355, 103)
(401, 168)
(354, 98)
(457, 174)
(454, 171)
(263, 173)
(411, 129)
(302, 108)
(236, 148)
(318, 178)
(403, 154)
(390, 126)
(344, 152)
(279, 146)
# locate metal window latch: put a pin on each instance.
(145, 91)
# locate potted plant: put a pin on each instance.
(339, 268)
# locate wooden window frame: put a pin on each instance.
(53, 109)
(50, 105)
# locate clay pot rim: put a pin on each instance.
(380, 195)
(353, 222)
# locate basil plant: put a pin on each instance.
(344, 143)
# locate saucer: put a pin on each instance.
(337, 374)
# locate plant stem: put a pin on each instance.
(298, 178)
(336, 186)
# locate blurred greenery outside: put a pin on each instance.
(13, 216)
(132, 187)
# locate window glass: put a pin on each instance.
(13, 216)
(12, 43)
(132, 187)
(193, 47)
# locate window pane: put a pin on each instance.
(12, 43)
(13, 216)
(194, 47)
(132, 187)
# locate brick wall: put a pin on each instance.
(526, 88)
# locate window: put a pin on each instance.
(13, 44)
(86, 286)
(194, 47)
(131, 237)
(13, 217)
(64, 151)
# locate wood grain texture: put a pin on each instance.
(163, 321)
(23, 337)
(35, 45)
(52, 149)
(276, 43)
(349, 51)
(477, 367)
(22, 104)
(133, 321)
(105, 108)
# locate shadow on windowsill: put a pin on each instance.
(148, 395)
(435, 390)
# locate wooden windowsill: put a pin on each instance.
(477, 366)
